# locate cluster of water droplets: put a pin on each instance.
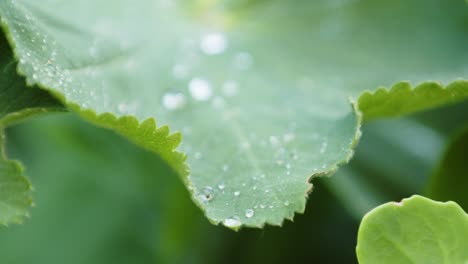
(37, 53)
(255, 190)
(194, 88)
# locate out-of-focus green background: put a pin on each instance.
(99, 199)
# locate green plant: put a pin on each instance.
(268, 95)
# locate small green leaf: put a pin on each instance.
(15, 194)
(416, 230)
(450, 181)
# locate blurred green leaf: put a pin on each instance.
(104, 201)
(449, 181)
(15, 195)
(416, 230)
(393, 161)
(16, 103)
(267, 82)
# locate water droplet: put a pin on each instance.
(207, 194)
(213, 43)
(123, 107)
(180, 71)
(243, 61)
(173, 101)
(323, 147)
(249, 213)
(221, 186)
(218, 102)
(274, 141)
(200, 89)
(236, 193)
(288, 137)
(198, 155)
(245, 145)
(93, 51)
(232, 222)
(230, 88)
(286, 203)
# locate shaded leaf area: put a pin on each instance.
(221, 76)
(16, 100)
(392, 161)
(16, 103)
(395, 158)
(98, 204)
(109, 211)
(416, 230)
(450, 179)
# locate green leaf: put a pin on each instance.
(15, 195)
(449, 180)
(17, 102)
(416, 230)
(402, 99)
(258, 89)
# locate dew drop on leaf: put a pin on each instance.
(198, 155)
(243, 61)
(207, 194)
(274, 141)
(213, 43)
(288, 137)
(173, 101)
(230, 88)
(249, 213)
(180, 71)
(200, 89)
(218, 102)
(232, 222)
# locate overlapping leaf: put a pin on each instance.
(449, 181)
(417, 230)
(16, 103)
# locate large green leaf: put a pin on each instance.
(416, 230)
(16, 103)
(259, 89)
(450, 181)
